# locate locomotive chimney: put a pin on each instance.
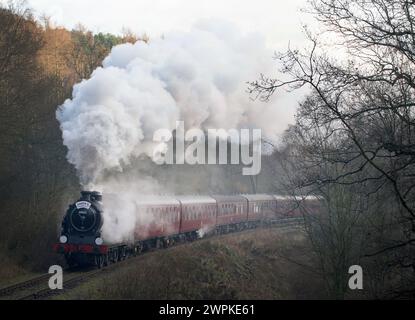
(91, 196)
(86, 195)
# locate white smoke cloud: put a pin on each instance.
(199, 77)
(123, 207)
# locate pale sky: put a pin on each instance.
(278, 20)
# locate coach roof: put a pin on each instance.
(196, 200)
(233, 198)
(259, 197)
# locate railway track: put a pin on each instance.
(37, 288)
(68, 284)
(25, 285)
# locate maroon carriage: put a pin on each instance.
(232, 212)
(159, 217)
(198, 215)
(261, 206)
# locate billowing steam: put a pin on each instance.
(198, 77)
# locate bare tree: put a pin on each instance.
(359, 115)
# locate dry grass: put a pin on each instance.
(253, 265)
(11, 272)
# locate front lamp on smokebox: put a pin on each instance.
(63, 239)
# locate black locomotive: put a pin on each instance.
(82, 226)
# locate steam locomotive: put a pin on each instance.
(174, 220)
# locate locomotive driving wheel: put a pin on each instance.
(99, 261)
